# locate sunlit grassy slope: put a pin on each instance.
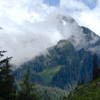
(47, 74)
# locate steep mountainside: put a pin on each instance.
(72, 61)
(63, 66)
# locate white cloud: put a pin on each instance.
(83, 14)
(31, 27)
(91, 20)
(72, 5)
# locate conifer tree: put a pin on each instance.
(7, 85)
(26, 89)
(24, 93)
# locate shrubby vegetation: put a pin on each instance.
(90, 91)
(50, 93)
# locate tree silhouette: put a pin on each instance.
(26, 88)
(7, 85)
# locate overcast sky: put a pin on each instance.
(28, 26)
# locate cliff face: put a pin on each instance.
(77, 66)
(78, 69)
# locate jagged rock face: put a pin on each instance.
(90, 41)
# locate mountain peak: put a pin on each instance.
(65, 19)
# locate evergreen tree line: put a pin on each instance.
(9, 88)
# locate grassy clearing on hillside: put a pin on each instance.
(48, 74)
